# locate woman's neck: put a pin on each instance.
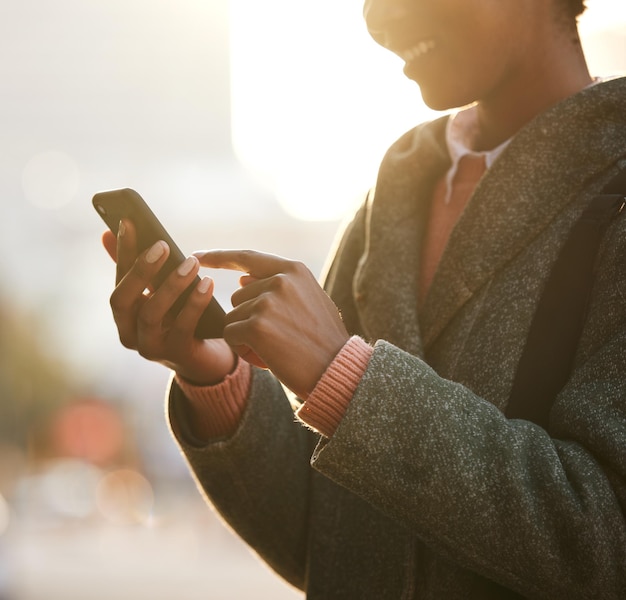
(562, 73)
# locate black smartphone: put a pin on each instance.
(115, 205)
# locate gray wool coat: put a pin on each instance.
(426, 490)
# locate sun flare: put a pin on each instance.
(315, 102)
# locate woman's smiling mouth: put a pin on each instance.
(417, 51)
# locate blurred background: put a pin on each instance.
(244, 124)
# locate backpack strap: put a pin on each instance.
(548, 356)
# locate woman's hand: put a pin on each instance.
(143, 317)
(281, 316)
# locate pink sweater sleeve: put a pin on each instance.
(327, 404)
(217, 409)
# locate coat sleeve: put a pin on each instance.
(540, 512)
(259, 479)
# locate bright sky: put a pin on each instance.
(601, 14)
(308, 90)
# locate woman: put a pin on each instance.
(409, 481)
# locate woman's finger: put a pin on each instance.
(109, 241)
(156, 318)
(128, 298)
(168, 293)
(183, 328)
(250, 291)
(145, 268)
(257, 264)
(245, 280)
(126, 249)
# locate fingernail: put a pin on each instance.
(186, 266)
(156, 252)
(204, 285)
(121, 230)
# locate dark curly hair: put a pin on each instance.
(575, 8)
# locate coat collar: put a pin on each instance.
(525, 189)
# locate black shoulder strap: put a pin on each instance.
(548, 356)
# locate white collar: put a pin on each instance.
(461, 131)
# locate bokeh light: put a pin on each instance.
(125, 497)
(68, 488)
(90, 430)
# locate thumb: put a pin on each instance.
(109, 241)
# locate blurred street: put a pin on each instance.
(185, 553)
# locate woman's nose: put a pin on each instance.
(380, 15)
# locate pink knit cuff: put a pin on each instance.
(216, 410)
(327, 404)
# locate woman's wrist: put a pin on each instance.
(199, 375)
(327, 404)
(215, 410)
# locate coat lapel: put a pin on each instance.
(521, 194)
(386, 279)
(525, 189)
